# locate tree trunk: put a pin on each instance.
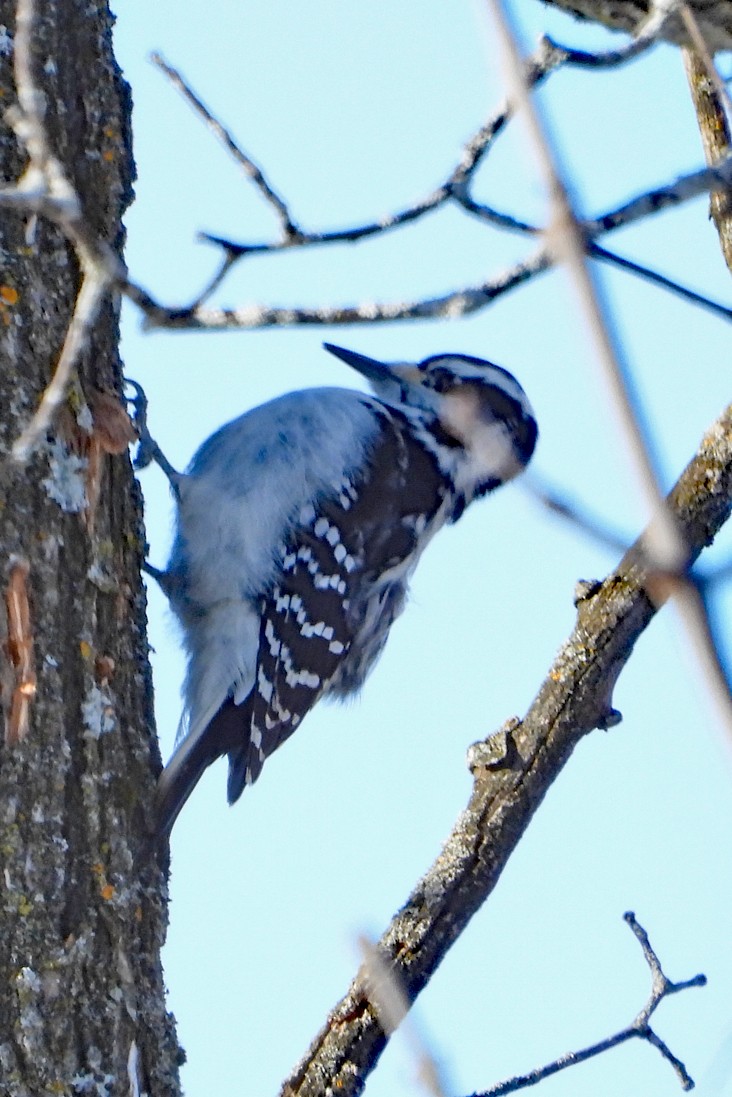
(81, 992)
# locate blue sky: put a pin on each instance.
(353, 113)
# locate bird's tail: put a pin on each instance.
(191, 757)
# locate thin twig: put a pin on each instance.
(657, 279)
(514, 224)
(460, 302)
(557, 503)
(639, 1028)
(548, 57)
(683, 188)
(456, 189)
(696, 586)
(270, 195)
(89, 298)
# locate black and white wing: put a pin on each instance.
(324, 621)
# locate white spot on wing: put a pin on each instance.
(264, 686)
(274, 644)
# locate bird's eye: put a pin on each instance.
(441, 380)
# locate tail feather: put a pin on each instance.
(191, 758)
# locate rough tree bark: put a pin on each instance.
(81, 991)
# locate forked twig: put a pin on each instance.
(639, 1028)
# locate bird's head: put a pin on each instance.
(479, 406)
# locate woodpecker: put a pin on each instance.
(299, 525)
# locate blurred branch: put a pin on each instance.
(44, 188)
(665, 546)
(557, 503)
(512, 771)
(392, 1007)
(661, 988)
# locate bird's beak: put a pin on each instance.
(370, 368)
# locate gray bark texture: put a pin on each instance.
(81, 993)
(713, 16)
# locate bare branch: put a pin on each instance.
(682, 189)
(514, 224)
(655, 278)
(89, 299)
(608, 58)
(693, 29)
(548, 57)
(661, 988)
(253, 172)
(455, 189)
(336, 236)
(512, 771)
(460, 302)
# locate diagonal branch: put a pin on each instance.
(512, 772)
(252, 170)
